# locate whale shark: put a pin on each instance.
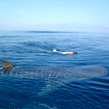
(54, 76)
(74, 72)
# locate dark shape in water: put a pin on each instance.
(54, 77)
(74, 72)
(6, 65)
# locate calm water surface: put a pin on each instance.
(29, 49)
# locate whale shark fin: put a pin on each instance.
(6, 65)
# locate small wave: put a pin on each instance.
(50, 32)
(44, 106)
(42, 45)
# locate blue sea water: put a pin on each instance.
(31, 49)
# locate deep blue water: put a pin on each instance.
(28, 49)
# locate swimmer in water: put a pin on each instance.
(60, 52)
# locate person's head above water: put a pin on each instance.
(71, 52)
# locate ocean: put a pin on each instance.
(33, 49)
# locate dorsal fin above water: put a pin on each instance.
(6, 65)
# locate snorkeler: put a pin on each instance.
(68, 52)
